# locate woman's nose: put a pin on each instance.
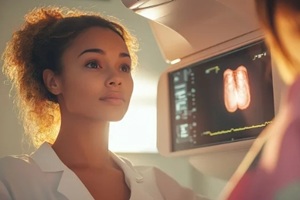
(114, 79)
(115, 82)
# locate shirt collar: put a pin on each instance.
(47, 160)
(69, 184)
(139, 186)
(128, 169)
(72, 187)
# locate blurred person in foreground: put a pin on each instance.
(271, 169)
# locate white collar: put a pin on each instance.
(70, 185)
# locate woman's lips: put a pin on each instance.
(115, 99)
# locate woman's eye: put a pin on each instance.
(93, 65)
(125, 68)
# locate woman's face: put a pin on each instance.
(288, 30)
(96, 81)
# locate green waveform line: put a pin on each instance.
(236, 129)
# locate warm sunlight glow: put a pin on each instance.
(136, 132)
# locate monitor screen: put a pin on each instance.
(223, 99)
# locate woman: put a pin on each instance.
(271, 169)
(72, 75)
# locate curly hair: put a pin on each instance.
(39, 45)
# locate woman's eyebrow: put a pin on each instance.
(124, 55)
(100, 51)
(95, 50)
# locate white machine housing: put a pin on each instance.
(190, 31)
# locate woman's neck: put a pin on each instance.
(83, 143)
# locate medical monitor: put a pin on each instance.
(221, 100)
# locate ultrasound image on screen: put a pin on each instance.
(223, 99)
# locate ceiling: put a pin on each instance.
(186, 27)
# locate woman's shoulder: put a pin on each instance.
(20, 175)
(16, 164)
(15, 160)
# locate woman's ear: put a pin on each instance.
(51, 81)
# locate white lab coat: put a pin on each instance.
(42, 175)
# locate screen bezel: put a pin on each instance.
(164, 136)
